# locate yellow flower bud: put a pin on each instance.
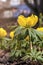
(12, 34)
(40, 29)
(27, 38)
(3, 33)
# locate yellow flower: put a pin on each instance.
(22, 20)
(3, 33)
(12, 34)
(32, 20)
(27, 38)
(40, 29)
(27, 22)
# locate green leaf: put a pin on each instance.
(40, 58)
(25, 57)
(13, 27)
(39, 35)
(18, 30)
(20, 33)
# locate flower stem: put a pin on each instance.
(31, 47)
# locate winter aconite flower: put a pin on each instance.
(40, 29)
(12, 34)
(22, 20)
(3, 33)
(27, 22)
